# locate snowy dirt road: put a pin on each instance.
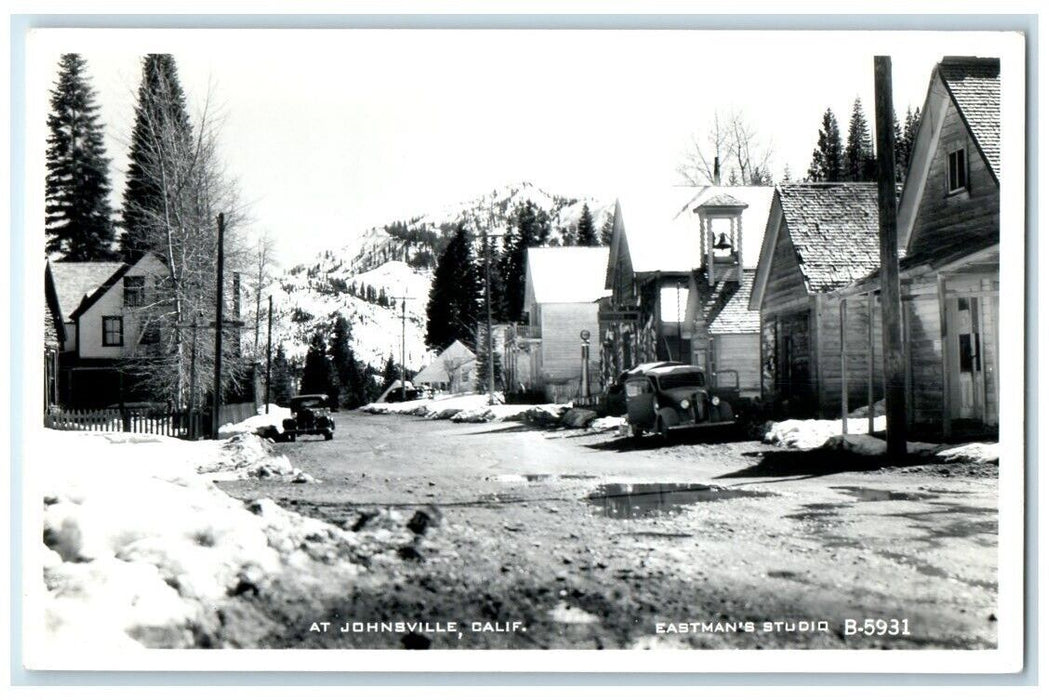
(567, 539)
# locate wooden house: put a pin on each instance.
(453, 370)
(680, 273)
(820, 238)
(563, 288)
(948, 226)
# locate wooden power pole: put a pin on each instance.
(269, 351)
(891, 312)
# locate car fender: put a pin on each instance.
(670, 416)
(724, 412)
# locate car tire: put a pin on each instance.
(662, 430)
(291, 437)
(328, 435)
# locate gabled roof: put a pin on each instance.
(454, 356)
(564, 275)
(833, 228)
(975, 86)
(658, 230)
(727, 311)
(76, 281)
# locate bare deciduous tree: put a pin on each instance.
(182, 229)
(732, 144)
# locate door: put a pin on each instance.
(966, 370)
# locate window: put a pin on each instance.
(957, 172)
(112, 331)
(134, 291)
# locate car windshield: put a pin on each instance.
(677, 380)
(310, 403)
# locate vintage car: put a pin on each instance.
(310, 415)
(667, 397)
(615, 395)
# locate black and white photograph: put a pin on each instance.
(676, 343)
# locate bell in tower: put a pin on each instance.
(721, 226)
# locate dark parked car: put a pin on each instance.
(667, 397)
(615, 396)
(310, 415)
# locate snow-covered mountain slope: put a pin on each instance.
(419, 239)
(364, 280)
(314, 300)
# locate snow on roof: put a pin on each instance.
(565, 275)
(662, 228)
(662, 233)
(453, 357)
(76, 280)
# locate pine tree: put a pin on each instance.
(788, 177)
(531, 228)
(827, 157)
(905, 147)
(317, 372)
(606, 230)
(161, 142)
(585, 233)
(860, 164)
(390, 373)
(281, 379)
(344, 364)
(78, 217)
(453, 308)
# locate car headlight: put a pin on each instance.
(684, 403)
(714, 401)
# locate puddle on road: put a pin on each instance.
(536, 478)
(647, 500)
(868, 495)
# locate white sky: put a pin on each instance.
(331, 131)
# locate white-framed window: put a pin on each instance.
(957, 171)
(112, 331)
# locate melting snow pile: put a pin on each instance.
(812, 433)
(263, 420)
(140, 550)
(460, 408)
(608, 423)
(248, 456)
(978, 452)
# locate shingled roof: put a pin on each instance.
(76, 280)
(725, 307)
(975, 86)
(834, 229)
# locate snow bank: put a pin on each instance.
(810, 434)
(977, 452)
(873, 446)
(140, 550)
(608, 423)
(262, 420)
(248, 456)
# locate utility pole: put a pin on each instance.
(488, 309)
(216, 399)
(269, 352)
(892, 328)
(404, 303)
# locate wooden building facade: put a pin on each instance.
(820, 237)
(948, 223)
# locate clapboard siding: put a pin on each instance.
(739, 352)
(922, 311)
(859, 348)
(969, 220)
(561, 355)
(785, 287)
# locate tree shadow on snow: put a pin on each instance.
(806, 464)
